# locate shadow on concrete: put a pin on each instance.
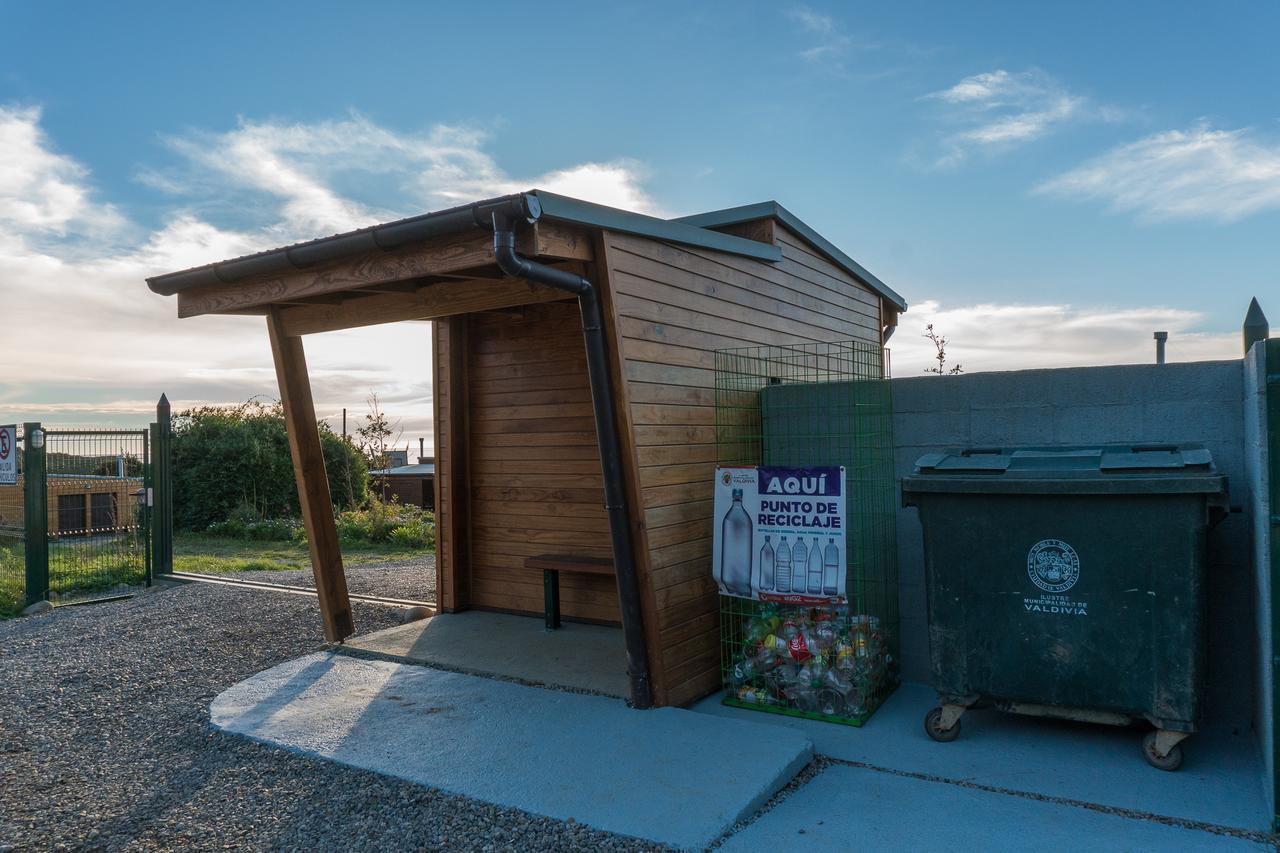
(591, 658)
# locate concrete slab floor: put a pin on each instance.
(669, 775)
(845, 808)
(1220, 781)
(583, 657)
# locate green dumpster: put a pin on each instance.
(1069, 582)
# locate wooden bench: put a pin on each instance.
(552, 565)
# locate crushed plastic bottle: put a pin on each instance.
(825, 660)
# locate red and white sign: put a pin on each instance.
(8, 455)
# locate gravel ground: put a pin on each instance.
(105, 741)
(412, 580)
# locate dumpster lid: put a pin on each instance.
(1110, 468)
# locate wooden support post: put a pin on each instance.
(313, 483)
(452, 406)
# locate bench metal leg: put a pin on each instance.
(551, 598)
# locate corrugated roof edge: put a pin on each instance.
(771, 209)
(530, 205)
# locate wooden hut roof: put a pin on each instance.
(699, 230)
(772, 210)
(535, 205)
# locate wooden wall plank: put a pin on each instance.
(534, 461)
(676, 306)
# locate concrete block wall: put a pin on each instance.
(1195, 402)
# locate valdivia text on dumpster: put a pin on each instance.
(779, 533)
(1054, 566)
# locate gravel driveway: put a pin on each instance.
(105, 740)
(409, 580)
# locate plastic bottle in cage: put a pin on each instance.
(830, 567)
(815, 568)
(782, 566)
(799, 565)
(735, 548)
(766, 566)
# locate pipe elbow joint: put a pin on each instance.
(504, 252)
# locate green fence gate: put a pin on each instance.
(90, 515)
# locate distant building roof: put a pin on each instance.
(422, 469)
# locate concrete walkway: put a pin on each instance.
(668, 775)
(846, 808)
(1220, 781)
(687, 777)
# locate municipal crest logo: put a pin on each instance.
(1053, 565)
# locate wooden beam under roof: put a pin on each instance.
(444, 257)
(313, 483)
(428, 302)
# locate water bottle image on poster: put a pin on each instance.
(779, 533)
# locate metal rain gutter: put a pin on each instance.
(602, 400)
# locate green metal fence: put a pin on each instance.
(90, 517)
(821, 404)
(97, 517)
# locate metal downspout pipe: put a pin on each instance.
(511, 263)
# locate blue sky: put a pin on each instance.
(1048, 183)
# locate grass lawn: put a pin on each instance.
(77, 567)
(87, 566)
(13, 577)
(209, 555)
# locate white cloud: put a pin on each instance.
(42, 192)
(831, 40)
(87, 342)
(303, 166)
(1201, 173)
(999, 110)
(1011, 337)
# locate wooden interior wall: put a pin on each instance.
(534, 462)
(675, 307)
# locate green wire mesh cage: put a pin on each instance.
(817, 404)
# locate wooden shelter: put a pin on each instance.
(529, 388)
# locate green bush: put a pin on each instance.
(259, 530)
(232, 528)
(378, 521)
(232, 463)
(417, 534)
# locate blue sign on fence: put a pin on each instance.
(9, 455)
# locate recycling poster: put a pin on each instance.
(779, 533)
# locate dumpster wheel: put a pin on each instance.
(1170, 761)
(933, 727)
(1173, 758)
